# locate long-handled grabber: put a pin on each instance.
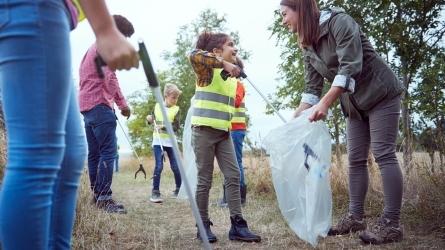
(141, 168)
(159, 138)
(153, 82)
(225, 75)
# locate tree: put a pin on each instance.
(180, 74)
(410, 32)
(405, 33)
(291, 71)
(428, 100)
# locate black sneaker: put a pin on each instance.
(109, 207)
(156, 196)
(118, 205)
(175, 194)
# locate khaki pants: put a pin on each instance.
(207, 143)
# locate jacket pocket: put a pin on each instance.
(4, 13)
(369, 91)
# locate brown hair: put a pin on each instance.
(239, 62)
(123, 25)
(208, 41)
(308, 14)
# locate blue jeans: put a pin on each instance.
(159, 161)
(117, 163)
(100, 129)
(46, 143)
(238, 139)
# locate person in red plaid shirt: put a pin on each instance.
(96, 100)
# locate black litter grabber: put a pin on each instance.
(153, 82)
(141, 168)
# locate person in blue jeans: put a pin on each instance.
(46, 143)
(117, 158)
(162, 142)
(97, 97)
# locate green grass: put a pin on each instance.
(171, 225)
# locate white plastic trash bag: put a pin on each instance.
(189, 156)
(300, 158)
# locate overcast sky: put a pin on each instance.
(157, 22)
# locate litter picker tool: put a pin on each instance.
(154, 84)
(225, 75)
(159, 138)
(141, 168)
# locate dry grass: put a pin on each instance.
(171, 225)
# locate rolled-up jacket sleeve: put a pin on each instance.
(346, 33)
(314, 84)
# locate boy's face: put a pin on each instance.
(171, 99)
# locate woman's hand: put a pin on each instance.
(116, 51)
(319, 112)
(303, 106)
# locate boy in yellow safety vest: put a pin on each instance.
(162, 142)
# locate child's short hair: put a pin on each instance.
(170, 89)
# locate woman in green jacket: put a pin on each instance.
(336, 49)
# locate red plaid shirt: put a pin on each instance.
(94, 90)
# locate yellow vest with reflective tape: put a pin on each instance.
(79, 9)
(240, 112)
(171, 113)
(214, 104)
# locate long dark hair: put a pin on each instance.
(308, 14)
(208, 41)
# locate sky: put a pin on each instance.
(157, 23)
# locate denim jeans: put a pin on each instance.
(159, 161)
(117, 163)
(100, 129)
(238, 139)
(46, 142)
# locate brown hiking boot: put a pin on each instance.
(383, 231)
(347, 224)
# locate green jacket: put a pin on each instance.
(344, 56)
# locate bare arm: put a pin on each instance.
(114, 49)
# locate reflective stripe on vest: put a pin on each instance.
(240, 112)
(171, 113)
(214, 104)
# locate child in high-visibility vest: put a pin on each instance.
(213, 109)
(238, 133)
(162, 142)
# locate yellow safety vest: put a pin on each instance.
(214, 104)
(171, 113)
(240, 112)
(79, 9)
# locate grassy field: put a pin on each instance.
(171, 225)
